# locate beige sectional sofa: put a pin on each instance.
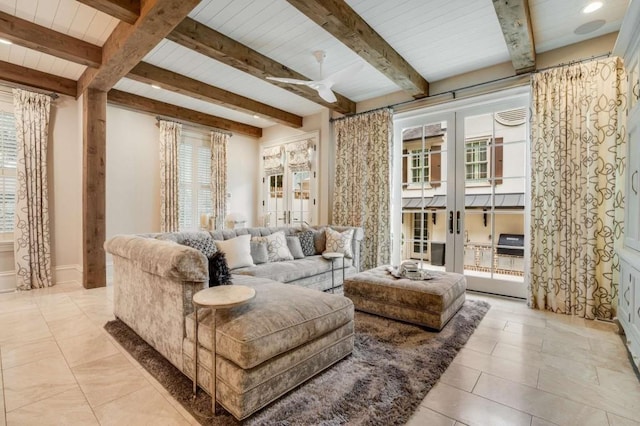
(302, 331)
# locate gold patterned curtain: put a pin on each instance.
(170, 134)
(32, 244)
(577, 160)
(363, 161)
(219, 141)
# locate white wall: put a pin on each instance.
(243, 159)
(133, 173)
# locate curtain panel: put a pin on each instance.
(362, 193)
(32, 245)
(577, 197)
(170, 135)
(219, 141)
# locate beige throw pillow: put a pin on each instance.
(237, 251)
(339, 242)
(277, 248)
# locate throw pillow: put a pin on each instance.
(259, 252)
(237, 251)
(320, 240)
(277, 248)
(339, 242)
(218, 270)
(295, 248)
(307, 243)
(205, 244)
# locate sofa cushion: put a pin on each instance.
(294, 269)
(339, 242)
(259, 252)
(277, 248)
(280, 318)
(307, 243)
(293, 242)
(237, 251)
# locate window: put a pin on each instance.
(476, 161)
(194, 178)
(8, 159)
(420, 232)
(419, 166)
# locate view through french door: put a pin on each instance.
(460, 202)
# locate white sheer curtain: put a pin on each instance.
(219, 141)
(577, 196)
(362, 193)
(170, 134)
(32, 244)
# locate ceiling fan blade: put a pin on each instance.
(344, 74)
(325, 93)
(289, 80)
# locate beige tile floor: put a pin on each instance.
(521, 367)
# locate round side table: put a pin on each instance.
(220, 297)
(332, 256)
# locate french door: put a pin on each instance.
(461, 193)
(288, 199)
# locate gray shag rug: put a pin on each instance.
(391, 369)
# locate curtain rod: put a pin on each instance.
(8, 87)
(497, 80)
(190, 124)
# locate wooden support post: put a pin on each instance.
(94, 138)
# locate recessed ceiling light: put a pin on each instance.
(592, 7)
(256, 116)
(155, 86)
(5, 41)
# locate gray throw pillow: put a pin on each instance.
(259, 252)
(307, 242)
(295, 248)
(205, 244)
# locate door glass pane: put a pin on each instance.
(495, 167)
(275, 201)
(424, 194)
(300, 197)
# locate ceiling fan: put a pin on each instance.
(323, 86)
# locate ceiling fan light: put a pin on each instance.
(592, 7)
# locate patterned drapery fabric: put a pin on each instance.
(577, 197)
(298, 156)
(32, 242)
(170, 134)
(362, 193)
(219, 141)
(273, 160)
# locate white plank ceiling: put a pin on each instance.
(439, 38)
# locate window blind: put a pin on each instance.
(194, 173)
(8, 160)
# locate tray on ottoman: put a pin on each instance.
(430, 303)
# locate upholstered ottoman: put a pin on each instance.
(430, 303)
(281, 338)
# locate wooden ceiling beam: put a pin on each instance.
(152, 106)
(38, 79)
(150, 74)
(515, 21)
(45, 40)
(202, 39)
(125, 10)
(128, 44)
(339, 20)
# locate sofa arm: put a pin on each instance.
(163, 258)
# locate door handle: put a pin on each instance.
(624, 296)
(451, 222)
(633, 181)
(458, 222)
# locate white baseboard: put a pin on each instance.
(62, 273)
